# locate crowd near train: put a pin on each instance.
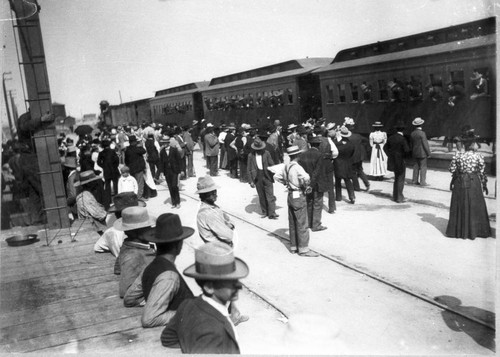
(446, 76)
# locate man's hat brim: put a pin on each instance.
(81, 183)
(113, 209)
(208, 189)
(186, 233)
(119, 225)
(241, 271)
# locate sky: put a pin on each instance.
(123, 50)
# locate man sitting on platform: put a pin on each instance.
(136, 252)
(160, 287)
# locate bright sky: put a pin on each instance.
(96, 49)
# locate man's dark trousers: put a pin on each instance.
(265, 191)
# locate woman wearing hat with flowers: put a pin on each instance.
(203, 324)
(468, 212)
(160, 287)
(378, 159)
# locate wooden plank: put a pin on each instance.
(67, 321)
(64, 337)
(92, 303)
(132, 341)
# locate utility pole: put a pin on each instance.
(120, 94)
(7, 103)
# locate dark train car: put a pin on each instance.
(134, 112)
(286, 91)
(434, 75)
(178, 105)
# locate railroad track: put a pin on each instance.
(352, 267)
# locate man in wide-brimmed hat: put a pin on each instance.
(160, 287)
(259, 160)
(87, 204)
(213, 223)
(397, 150)
(203, 324)
(420, 152)
(297, 180)
(112, 239)
(136, 252)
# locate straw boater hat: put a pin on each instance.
(86, 177)
(206, 184)
(417, 121)
(258, 145)
(170, 229)
(293, 150)
(330, 126)
(124, 200)
(216, 261)
(377, 124)
(344, 132)
(292, 126)
(165, 139)
(134, 218)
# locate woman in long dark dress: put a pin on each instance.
(468, 213)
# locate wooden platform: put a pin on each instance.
(64, 298)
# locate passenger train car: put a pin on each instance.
(445, 76)
(286, 91)
(178, 105)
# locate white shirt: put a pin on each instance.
(335, 151)
(224, 310)
(258, 159)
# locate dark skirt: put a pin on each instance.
(468, 213)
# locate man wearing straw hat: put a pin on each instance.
(203, 324)
(160, 287)
(136, 252)
(296, 179)
(420, 151)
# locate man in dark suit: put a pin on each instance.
(261, 178)
(420, 151)
(109, 161)
(358, 157)
(170, 163)
(203, 325)
(312, 162)
(134, 159)
(343, 166)
(397, 149)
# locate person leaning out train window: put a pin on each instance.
(366, 92)
(435, 92)
(397, 92)
(455, 92)
(479, 85)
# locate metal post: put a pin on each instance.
(7, 104)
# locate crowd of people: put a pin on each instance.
(110, 176)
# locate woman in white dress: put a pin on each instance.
(378, 160)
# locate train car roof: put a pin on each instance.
(130, 102)
(455, 33)
(279, 70)
(416, 52)
(182, 89)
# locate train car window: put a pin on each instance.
(329, 94)
(435, 88)
(289, 95)
(341, 88)
(366, 90)
(354, 92)
(414, 88)
(479, 83)
(382, 90)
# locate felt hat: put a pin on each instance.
(206, 184)
(318, 129)
(258, 145)
(301, 130)
(417, 121)
(293, 150)
(216, 261)
(132, 139)
(475, 75)
(86, 177)
(124, 200)
(344, 132)
(134, 218)
(377, 124)
(70, 161)
(170, 229)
